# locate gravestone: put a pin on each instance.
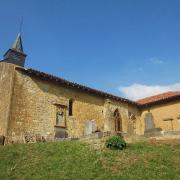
(60, 133)
(94, 128)
(90, 127)
(130, 129)
(149, 121)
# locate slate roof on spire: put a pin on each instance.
(17, 45)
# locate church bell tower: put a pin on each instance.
(15, 55)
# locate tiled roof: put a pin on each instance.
(66, 83)
(164, 97)
(149, 101)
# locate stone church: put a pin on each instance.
(38, 106)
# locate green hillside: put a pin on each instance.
(78, 160)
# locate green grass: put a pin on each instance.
(77, 160)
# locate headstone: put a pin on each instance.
(130, 129)
(149, 121)
(90, 127)
(60, 133)
(94, 128)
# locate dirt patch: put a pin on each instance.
(163, 141)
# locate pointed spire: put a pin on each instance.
(17, 45)
(15, 55)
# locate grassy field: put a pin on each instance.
(78, 160)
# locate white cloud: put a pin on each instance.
(156, 61)
(138, 91)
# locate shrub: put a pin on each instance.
(115, 142)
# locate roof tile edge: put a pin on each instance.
(56, 79)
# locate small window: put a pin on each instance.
(70, 107)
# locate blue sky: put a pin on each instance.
(125, 47)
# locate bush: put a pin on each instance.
(115, 142)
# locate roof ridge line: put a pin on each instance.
(70, 83)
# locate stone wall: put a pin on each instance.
(29, 107)
(165, 116)
(129, 123)
(34, 108)
(6, 85)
